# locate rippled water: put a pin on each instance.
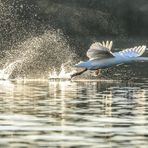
(74, 114)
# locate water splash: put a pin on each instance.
(40, 53)
(6, 72)
(39, 47)
(63, 74)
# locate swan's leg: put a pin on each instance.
(78, 73)
(97, 72)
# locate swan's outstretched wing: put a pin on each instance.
(100, 50)
(131, 52)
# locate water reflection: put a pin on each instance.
(78, 114)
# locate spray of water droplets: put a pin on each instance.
(37, 49)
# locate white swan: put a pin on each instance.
(100, 57)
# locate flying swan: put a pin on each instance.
(101, 57)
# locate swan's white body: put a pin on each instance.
(100, 56)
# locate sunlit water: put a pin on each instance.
(74, 114)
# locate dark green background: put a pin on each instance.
(81, 20)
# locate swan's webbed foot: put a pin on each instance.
(97, 72)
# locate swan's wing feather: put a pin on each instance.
(100, 50)
(131, 52)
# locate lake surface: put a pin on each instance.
(79, 114)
